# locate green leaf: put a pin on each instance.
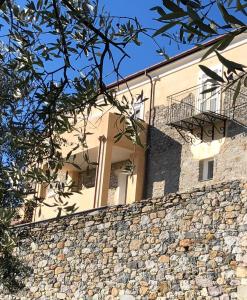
(212, 89)
(193, 14)
(231, 65)
(192, 29)
(210, 50)
(172, 6)
(241, 7)
(211, 74)
(175, 15)
(227, 17)
(226, 42)
(159, 10)
(165, 28)
(39, 4)
(205, 27)
(59, 213)
(40, 47)
(118, 137)
(194, 4)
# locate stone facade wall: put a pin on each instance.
(188, 246)
(172, 166)
(163, 162)
(236, 110)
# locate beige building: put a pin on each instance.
(192, 138)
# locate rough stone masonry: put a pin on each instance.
(189, 245)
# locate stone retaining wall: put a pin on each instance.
(183, 246)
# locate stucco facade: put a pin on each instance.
(102, 179)
(173, 163)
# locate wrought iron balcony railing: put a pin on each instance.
(192, 103)
(191, 109)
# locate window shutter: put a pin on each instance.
(201, 163)
(209, 101)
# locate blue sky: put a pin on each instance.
(144, 55)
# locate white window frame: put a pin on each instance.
(138, 110)
(206, 97)
(205, 169)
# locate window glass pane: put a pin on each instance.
(204, 88)
(213, 103)
(204, 105)
(210, 169)
(137, 110)
(206, 169)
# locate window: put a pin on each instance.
(209, 101)
(59, 184)
(206, 169)
(139, 110)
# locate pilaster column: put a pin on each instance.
(103, 172)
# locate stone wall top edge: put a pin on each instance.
(135, 208)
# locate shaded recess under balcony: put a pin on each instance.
(204, 116)
(99, 172)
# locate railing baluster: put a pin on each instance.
(188, 103)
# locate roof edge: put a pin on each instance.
(164, 63)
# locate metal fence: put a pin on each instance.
(192, 102)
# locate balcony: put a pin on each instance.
(99, 171)
(204, 116)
